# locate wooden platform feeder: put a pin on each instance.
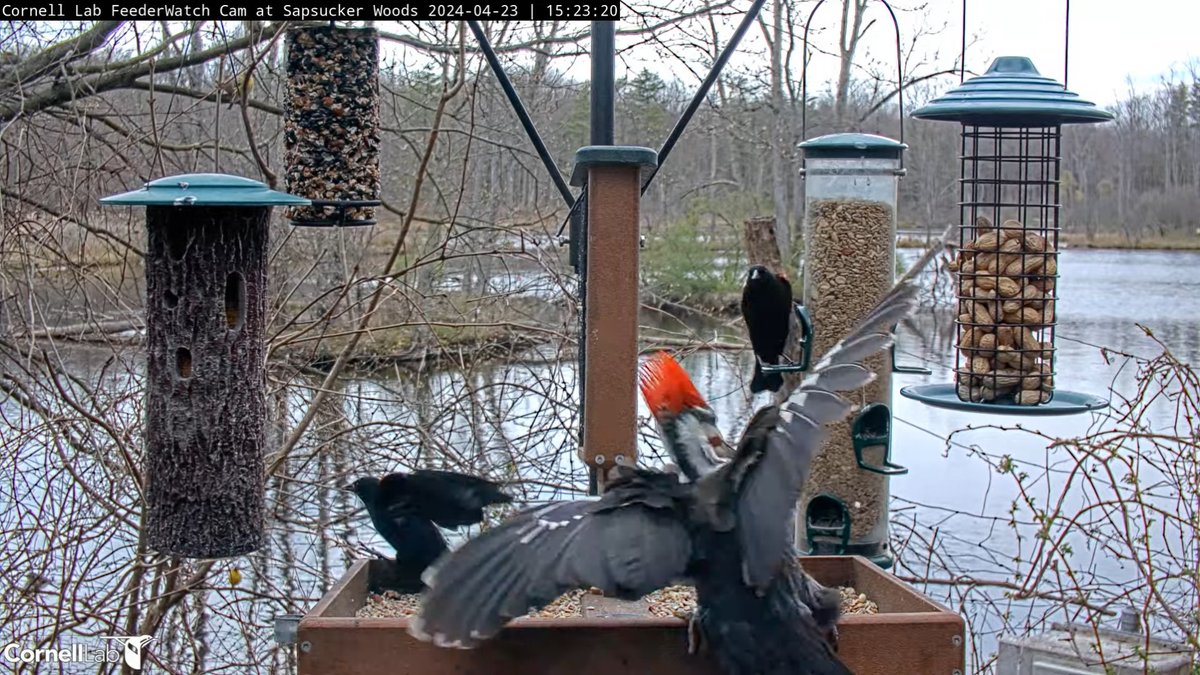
(910, 634)
(206, 284)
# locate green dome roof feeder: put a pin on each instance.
(206, 311)
(331, 124)
(1007, 263)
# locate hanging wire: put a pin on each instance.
(1066, 42)
(804, 75)
(962, 55)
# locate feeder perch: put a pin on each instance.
(612, 174)
(805, 342)
(827, 525)
(872, 427)
(206, 284)
(850, 196)
(907, 370)
(1007, 266)
(910, 634)
(331, 125)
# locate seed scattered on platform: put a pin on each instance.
(665, 602)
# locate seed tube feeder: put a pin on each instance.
(850, 197)
(206, 285)
(331, 125)
(1007, 266)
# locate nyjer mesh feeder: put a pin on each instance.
(205, 428)
(331, 125)
(1006, 270)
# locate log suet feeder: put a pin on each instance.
(1006, 271)
(613, 176)
(850, 197)
(331, 125)
(205, 429)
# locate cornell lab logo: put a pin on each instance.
(133, 648)
(130, 652)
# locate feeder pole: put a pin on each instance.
(604, 56)
(603, 113)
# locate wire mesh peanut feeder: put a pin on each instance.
(1007, 264)
(331, 125)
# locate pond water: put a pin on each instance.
(516, 422)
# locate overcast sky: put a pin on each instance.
(1111, 41)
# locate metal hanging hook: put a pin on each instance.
(804, 75)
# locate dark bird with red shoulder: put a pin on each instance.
(767, 308)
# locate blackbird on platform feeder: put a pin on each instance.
(728, 531)
(406, 509)
(767, 307)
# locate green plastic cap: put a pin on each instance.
(205, 189)
(852, 146)
(1012, 94)
(610, 155)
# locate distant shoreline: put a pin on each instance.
(1107, 241)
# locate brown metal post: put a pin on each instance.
(610, 327)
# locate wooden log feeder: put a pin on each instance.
(206, 284)
(612, 174)
(1006, 269)
(331, 125)
(908, 634)
(850, 195)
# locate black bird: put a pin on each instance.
(767, 307)
(728, 531)
(406, 509)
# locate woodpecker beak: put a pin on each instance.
(754, 273)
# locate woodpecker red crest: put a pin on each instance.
(666, 386)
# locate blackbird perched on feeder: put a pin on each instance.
(767, 307)
(405, 508)
(729, 532)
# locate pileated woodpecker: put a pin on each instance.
(405, 507)
(688, 429)
(686, 424)
(767, 307)
(728, 532)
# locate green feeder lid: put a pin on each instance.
(205, 189)
(853, 146)
(1012, 94)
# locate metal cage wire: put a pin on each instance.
(1007, 281)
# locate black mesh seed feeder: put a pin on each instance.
(331, 125)
(1006, 270)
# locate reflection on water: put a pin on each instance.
(517, 423)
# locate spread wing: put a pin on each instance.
(447, 498)
(775, 455)
(631, 541)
